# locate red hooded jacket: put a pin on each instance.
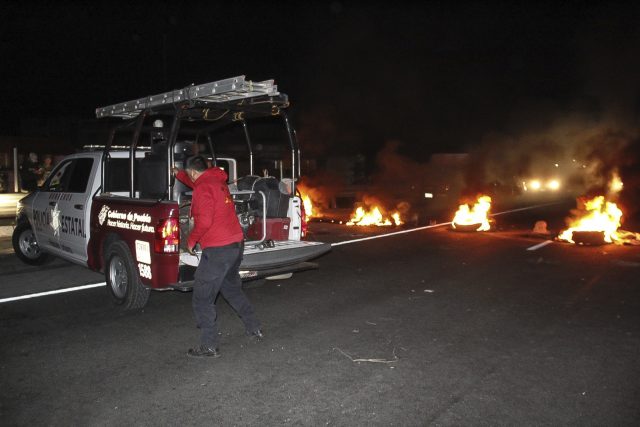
(212, 209)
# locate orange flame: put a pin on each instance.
(615, 185)
(595, 214)
(308, 207)
(374, 216)
(311, 209)
(478, 214)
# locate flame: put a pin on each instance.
(615, 185)
(478, 214)
(374, 216)
(308, 207)
(595, 214)
(309, 201)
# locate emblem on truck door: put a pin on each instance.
(55, 220)
(103, 214)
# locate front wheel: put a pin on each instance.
(122, 278)
(26, 246)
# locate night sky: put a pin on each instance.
(435, 76)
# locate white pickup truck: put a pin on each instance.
(119, 210)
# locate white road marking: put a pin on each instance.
(395, 233)
(57, 291)
(539, 245)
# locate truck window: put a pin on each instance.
(117, 174)
(224, 165)
(71, 176)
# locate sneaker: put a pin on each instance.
(203, 351)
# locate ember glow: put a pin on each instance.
(478, 214)
(615, 185)
(595, 214)
(374, 216)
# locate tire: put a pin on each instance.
(122, 278)
(26, 247)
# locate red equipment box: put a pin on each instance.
(277, 229)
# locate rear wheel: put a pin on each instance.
(122, 278)
(25, 245)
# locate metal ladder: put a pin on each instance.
(232, 89)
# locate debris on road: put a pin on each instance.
(395, 358)
(540, 227)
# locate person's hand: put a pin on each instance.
(191, 249)
(175, 171)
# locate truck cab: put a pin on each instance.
(118, 209)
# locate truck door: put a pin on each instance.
(63, 205)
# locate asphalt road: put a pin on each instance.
(451, 329)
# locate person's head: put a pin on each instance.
(195, 166)
(33, 157)
(47, 160)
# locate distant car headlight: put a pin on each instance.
(535, 185)
(553, 185)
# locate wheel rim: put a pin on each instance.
(28, 244)
(118, 278)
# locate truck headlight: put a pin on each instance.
(19, 208)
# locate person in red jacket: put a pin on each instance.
(220, 236)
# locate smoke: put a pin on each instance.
(582, 154)
(322, 187)
(416, 188)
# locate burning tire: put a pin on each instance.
(122, 278)
(466, 228)
(25, 245)
(589, 238)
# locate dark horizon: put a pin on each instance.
(435, 77)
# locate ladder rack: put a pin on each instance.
(221, 91)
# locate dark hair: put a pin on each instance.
(197, 163)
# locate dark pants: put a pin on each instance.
(217, 273)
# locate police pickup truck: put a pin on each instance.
(118, 208)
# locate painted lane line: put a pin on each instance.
(539, 245)
(57, 291)
(395, 233)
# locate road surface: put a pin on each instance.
(432, 327)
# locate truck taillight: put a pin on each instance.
(168, 236)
